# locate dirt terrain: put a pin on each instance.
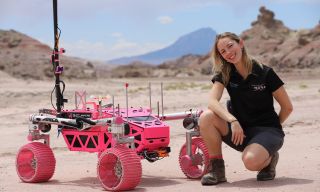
(298, 168)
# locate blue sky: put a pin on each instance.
(107, 29)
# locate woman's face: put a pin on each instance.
(230, 50)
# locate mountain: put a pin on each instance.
(198, 42)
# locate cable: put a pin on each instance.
(51, 98)
(54, 53)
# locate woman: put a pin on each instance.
(253, 127)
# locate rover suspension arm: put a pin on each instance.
(78, 123)
(180, 115)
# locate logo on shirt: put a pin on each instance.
(260, 87)
(234, 85)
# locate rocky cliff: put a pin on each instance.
(271, 42)
(27, 58)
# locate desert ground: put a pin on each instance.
(298, 168)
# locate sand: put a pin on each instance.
(298, 168)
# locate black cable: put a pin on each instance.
(53, 69)
(63, 88)
(51, 98)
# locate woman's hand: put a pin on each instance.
(237, 133)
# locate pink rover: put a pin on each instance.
(122, 137)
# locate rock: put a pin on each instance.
(24, 57)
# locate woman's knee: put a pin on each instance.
(208, 120)
(208, 116)
(251, 162)
(254, 157)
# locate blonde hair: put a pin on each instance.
(220, 65)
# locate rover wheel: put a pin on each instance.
(196, 166)
(119, 169)
(35, 163)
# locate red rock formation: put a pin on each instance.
(24, 57)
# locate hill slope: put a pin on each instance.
(24, 57)
(197, 42)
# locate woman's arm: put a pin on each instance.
(285, 104)
(214, 105)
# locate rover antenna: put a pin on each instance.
(55, 60)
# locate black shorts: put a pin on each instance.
(269, 137)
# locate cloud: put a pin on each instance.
(103, 52)
(116, 34)
(86, 49)
(123, 47)
(165, 20)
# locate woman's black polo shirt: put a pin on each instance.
(251, 99)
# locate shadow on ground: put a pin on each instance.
(93, 183)
(253, 183)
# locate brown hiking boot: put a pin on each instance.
(216, 173)
(269, 172)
